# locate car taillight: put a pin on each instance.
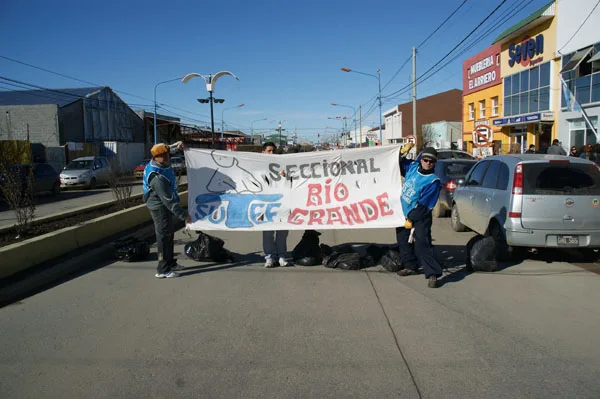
(451, 185)
(518, 180)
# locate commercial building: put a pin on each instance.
(529, 68)
(578, 42)
(482, 101)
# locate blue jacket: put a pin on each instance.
(166, 172)
(420, 192)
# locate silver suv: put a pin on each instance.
(531, 201)
(85, 172)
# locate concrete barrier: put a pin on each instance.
(26, 254)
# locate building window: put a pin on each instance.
(495, 106)
(581, 73)
(471, 111)
(481, 109)
(580, 133)
(527, 91)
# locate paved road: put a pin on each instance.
(67, 200)
(239, 330)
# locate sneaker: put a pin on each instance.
(432, 283)
(406, 272)
(283, 262)
(269, 264)
(170, 274)
(177, 267)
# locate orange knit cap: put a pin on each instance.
(159, 149)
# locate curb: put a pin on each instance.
(29, 253)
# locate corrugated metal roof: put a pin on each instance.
(537, 14)
(61, 97)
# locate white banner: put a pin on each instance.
(354, 188)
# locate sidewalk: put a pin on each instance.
(239, 330)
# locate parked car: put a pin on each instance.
(45, 178)
(532, 201)
(446, 153)
(178, 165)
(85, 172)
(139, 170)
(451, 173)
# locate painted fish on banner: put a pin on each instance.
(357, 188)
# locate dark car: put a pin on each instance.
(451, 172)
(45, 178)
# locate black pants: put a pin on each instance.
(420, 253)
(163, 226)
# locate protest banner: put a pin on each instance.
(242, 191)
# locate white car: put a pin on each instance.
(87, 172)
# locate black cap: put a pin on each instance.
(555, 141)
(429, 152)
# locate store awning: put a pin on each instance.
(596, 57)
(576, 59)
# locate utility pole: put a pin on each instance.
(414, 100)
(360, 123)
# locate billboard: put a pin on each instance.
(482, 70)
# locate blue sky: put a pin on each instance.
(287, 55)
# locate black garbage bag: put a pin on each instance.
(308, 252)
(326, 250)
(343, 260)
(132, 249)
(391, 261)
(481, 254)
(207, 247)
(376, 251)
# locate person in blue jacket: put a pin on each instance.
(420, 193)
(162, 199)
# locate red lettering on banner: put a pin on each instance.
(382, 201)
(331, 212)
(341, 188)
(296, 217)
(316, 216)
(314, 195)
(369, 209)
(352, 214)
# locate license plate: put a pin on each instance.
(568, 240)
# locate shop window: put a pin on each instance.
(580, 133)
(507, 108)
(534, 101)
(545, 74)
(544, 99)
(516, 81)
(495, 106)
(534, 78)
(529, 91)
(481, 109)
(596, 87)
(524, 76)
(507, 86)
(524, 103)
(515, 104)
(471, 111)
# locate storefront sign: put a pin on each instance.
(522, 119)
(482, 70)
(525, 52)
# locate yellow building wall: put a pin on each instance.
(469, 124)
(548, 29)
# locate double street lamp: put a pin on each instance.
(223, 120)
(156, 105)
(211, 81)
(354, 117)
(378, 77)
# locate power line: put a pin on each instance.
(580, 26)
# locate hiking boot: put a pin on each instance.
(170, 274)
(432, 283)
(283, 262)
(406, 272)
(269, 264)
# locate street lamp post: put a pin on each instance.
(280, 129)
(251, 123)
(156, 105)
(223, 120)
(211, 81)
(378, 77)
(343, 118)
(354, 118)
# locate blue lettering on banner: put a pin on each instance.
(517, 119)
(237, 210)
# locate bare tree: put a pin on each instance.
(120, 181)
(17, 189)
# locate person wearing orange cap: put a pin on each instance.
(161, 198)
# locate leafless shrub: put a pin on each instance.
(121, 181)
(17, 190)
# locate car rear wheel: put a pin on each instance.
(439, 210)
(56, 188)
(502, 248)
(591, 254)
(455, 220)
(93, 183)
